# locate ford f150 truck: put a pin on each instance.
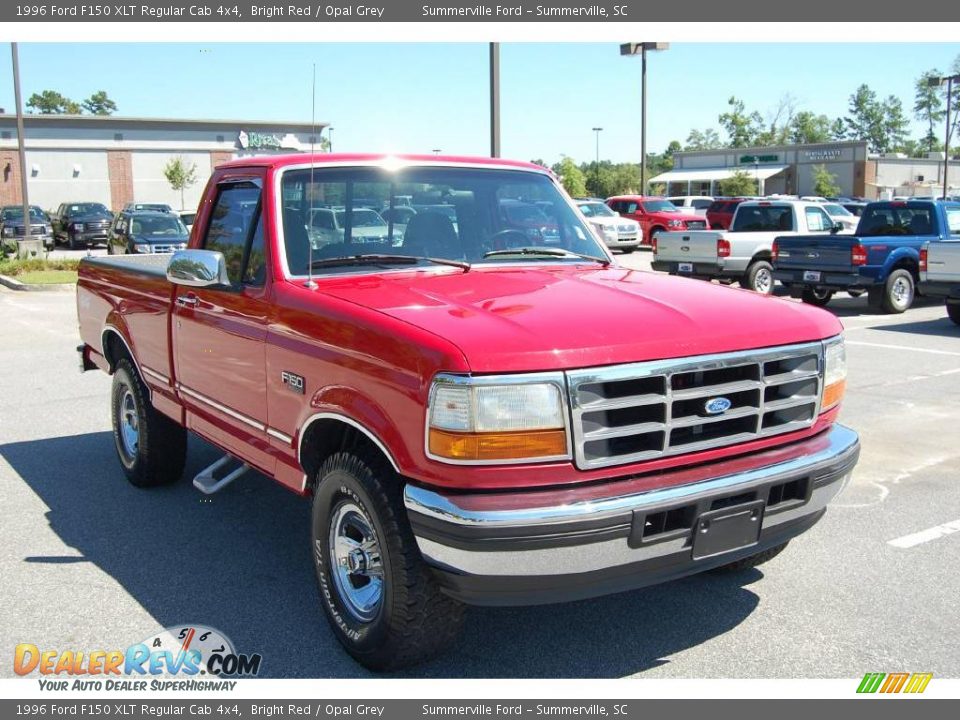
(477, 416)
(881, 258)
(940, 269)
(744, 251)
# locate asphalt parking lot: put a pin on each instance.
(89, 562)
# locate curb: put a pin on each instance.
(14, 284)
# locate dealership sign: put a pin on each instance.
(833, 154)
(750, 159)
(266, 141)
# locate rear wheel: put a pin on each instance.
(380, 598)
(898, 291)
(752, 561)
(759, 277)
(953, 312)
(653, 234)
(152, 448)
(817, 296)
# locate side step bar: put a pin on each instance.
(212, 479)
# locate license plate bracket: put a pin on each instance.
(685, 267)
(811, 275)
(727, 529)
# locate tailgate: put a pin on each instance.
(815, 252)
(693, 246)
(943, 261)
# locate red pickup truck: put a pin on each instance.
(478, 416)
(655, 215)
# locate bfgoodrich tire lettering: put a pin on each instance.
(151, 447)
(413, 620)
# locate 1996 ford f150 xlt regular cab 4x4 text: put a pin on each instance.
(480, 414)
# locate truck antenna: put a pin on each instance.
(313, 136)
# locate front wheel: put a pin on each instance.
(953, 312)
(152, 448)
(817, 296)
(380, 598)
(759, 278)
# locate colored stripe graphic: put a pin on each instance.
(894, 682)
(918, 682)
(871, 682)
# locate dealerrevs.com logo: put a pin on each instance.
(183, 657)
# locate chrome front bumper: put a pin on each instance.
(536, 547)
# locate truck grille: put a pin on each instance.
(630, 413)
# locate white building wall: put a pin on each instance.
(150, 185)
(54, 177)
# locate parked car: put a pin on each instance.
(152, 207)
(940, 269)
(12, 225)
(146, 232)
(532, 219)
(655, 215)
(692, 204)
(720, 213)
(744, 252)
(839, 214)
(81, 224)
(881, 258)
(187, 217)
(327, 225)
(471, 424)
(617, 233)
(855, 207)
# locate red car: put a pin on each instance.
(655, 214)
(475, 416)
(720, 212)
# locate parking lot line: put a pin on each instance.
(925, 536)
(910, 348)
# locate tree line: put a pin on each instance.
(883, 123)
(51, 102)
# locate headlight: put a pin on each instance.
(78, 226)
(834, 373)
(610, 231)
(9, 232)
(497, 419)
(675, 223)
(141, 247)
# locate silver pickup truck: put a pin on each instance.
(743, 252)
(940, 273)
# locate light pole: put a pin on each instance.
(937, 82)
(495, 99)
(596, 164)
(21, 144)
(330, 138)
(641, 49)
(756, 172)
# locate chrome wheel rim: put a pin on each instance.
(354, 551)
(900, 292)
(129, 424)
(763, 281)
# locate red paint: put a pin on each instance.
(368, 345)
(652, 222)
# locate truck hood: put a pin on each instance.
(548, 317)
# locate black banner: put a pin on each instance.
(615, 11)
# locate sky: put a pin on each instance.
(418, 97)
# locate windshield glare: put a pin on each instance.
(837, 210)
(652, 206)
(596, 210)
(456, 214)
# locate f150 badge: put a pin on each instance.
(717, 405)
(292, 381)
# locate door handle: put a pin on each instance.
(188, 301)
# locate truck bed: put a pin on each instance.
(825, 253)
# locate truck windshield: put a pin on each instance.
(596, 209)
(882, 220)
(474, 215)
(9, 214)
(763, 218)
(160, 226)
(654, 206)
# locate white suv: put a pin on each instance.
(617, 233)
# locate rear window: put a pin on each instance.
(763, 218)
(891, 220)
(953, 220)
(701, 204)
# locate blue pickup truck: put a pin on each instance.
(882, 258)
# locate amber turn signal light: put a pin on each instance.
(833, 394)
(498, 445)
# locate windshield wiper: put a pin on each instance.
(382, 259)
(548, 252)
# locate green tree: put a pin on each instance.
(929, 107)
(742, 128)
(708, 139)
(50, 102)
(739, 184)
(99, 104)
(572, 177)
(824, 182)
(895, 124)
(180, 175)
(808, 128)
(865, 120)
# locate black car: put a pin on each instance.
(146, 232)
(12, 225)
(81, 224)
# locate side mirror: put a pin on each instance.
(198, 268)
(837, 227)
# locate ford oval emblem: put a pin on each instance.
(717, 405)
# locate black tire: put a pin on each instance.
(71, 242)
(759, 278)
(856, 293)
(751, 561)
(627, 251)
(160, 451)
(816, 296)
(413, 620)
(953, 312)
(898, 292)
